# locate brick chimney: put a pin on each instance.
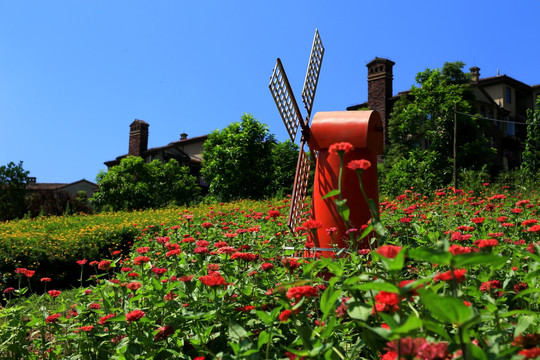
(380, 77)
(138, 137)
(475, 74)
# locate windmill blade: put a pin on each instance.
(301, 179)
(284, 99)
(312, 74)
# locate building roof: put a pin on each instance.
(57, 186)
(172, 145)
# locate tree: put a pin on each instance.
(13, 184)
(424, 121)
(135, 184)
(244, 161)
(284, 158)
(531, 155)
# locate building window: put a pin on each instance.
(510, 127)
(508, 95)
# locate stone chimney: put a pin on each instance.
(475, 74)
(380, 77)
(138, 137)
(183, 136)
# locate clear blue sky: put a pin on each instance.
(75, 74)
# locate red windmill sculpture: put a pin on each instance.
(362, 129)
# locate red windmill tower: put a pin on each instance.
(362, 129)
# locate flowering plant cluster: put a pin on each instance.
(452, 278)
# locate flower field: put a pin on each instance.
(453, 276)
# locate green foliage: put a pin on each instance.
(424, 121)
(531, 155)
(244, 161)
(13, 183)
(135, 184)
(284, 158)
(422, 170)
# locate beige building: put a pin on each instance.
(187, 151)
(501, 98)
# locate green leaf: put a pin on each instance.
(358, 310)
(412, 323)
(265, 317)
(343, 209)
(462, 260)
(446, 308)
(433, 256)
(330, 194)
(236, 331)
(264, 337)
(377, 286)
(523, 323)
(328, 300)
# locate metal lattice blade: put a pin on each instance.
(285, 101)
(301, 179)
(312, 74)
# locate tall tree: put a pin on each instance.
(531, 155)
(13, 184)
(243, 160)
(423, 122)
(135, 184)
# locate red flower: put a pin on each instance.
(86, 328)
(267, 266)
(185, 278)
(389, 251)
(104, 265)
(212, 280)
(140, 260)
(520, 287)
(488, 285)
(52, 319)
(386, 302)
(103, 319)
(143, 250)
(290, 263)
(95, 306)
(245, 256)
(134, 286)
(359, 164)
(340, 148)
(486, 243)
(172, 252)
(164, 332)
(201, 250)
(409, 347)
(459, 274)
(533, 353)
(478, 220)
(534, 228)
(45, 279)
(286, 314)
(202, 243)
(298, 292)
(313, 224)
(456, 249)
(82, 262)
(54, 293)
(529, 222)
(207, 225)
(135, 315)
(159, 271)
(29, 273)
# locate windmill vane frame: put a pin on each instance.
(292, 118)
